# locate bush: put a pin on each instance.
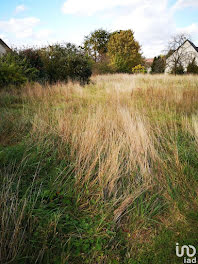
(102, 67)
(63, 62)
(34, 60)
(51, 64)
(139, 69)
(178, 70)
(192, 67)
(11, 74)
(15, 70)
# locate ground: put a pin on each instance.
(105, 173)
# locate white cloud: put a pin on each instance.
(152, 23)
(43, 34)
(185, 3)
(20, 8)
(4, 38)
(191, 30)
(151, 20)
(90, 7)
(21, 28)
(25, 31)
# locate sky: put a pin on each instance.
(26, 23)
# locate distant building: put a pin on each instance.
(3, 47)
(182, 56)
(148, 63)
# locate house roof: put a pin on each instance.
(196, 48)
(150, 60)
(2, 43)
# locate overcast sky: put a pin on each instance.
(40, 22)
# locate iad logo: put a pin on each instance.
(190, 253)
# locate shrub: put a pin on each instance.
(178, 70)
(52, 64)
(139, 69)
(102, 67)
(63, 62)
(11, 74)
(192, 67)
(15, 70)
(34, 60)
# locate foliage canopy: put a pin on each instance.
(124, 51)
(95, 44)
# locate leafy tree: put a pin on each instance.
(158, 65)
(124, 51)
(192, 67)
(95, 44)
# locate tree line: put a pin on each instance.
(59, 62)
(101, 52)
(120, 52)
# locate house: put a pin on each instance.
(148, 63)
(3, 47)
(182, 56)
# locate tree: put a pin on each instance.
(95, 44)
(124, 51)
(192, 67)
(177, 56)
(158, 65)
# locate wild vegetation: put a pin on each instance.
(102, 52)
(105, 173)
(115, 52)
(54, 63)
(158, 65)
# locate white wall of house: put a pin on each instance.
(149, 70)
(188, 54)
(2, 50)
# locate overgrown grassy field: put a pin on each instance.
(101, 174)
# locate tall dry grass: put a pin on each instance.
(123, 134)
(119, 128)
